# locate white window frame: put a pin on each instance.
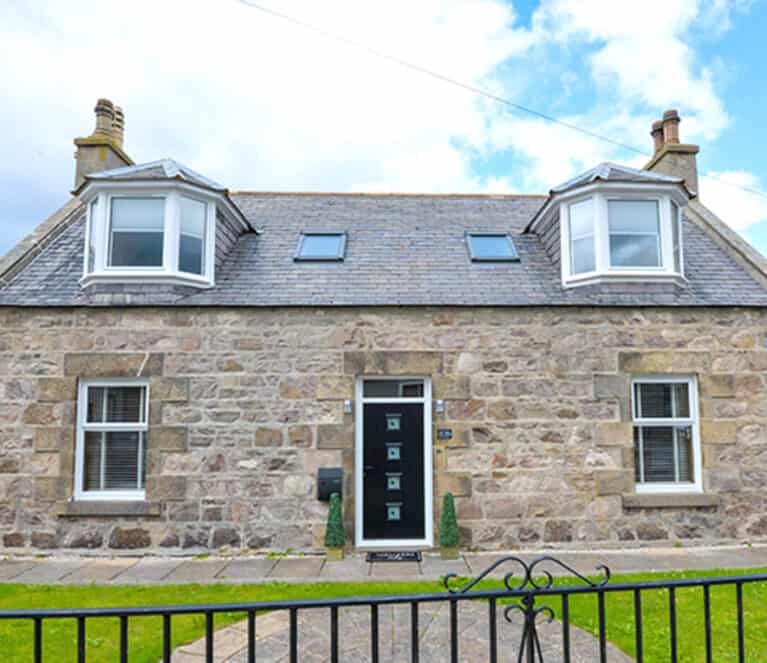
(696, 486)
(108, 229)
(572, 238)
(661, 240)
(83, 426)
(428, 464)
(603, 271)
(205, 248)
(169, 272)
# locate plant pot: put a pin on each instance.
(334, 554)
(449, 552)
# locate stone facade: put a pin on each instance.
(246, 404)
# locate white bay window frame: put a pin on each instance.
(100, 222)
(604, 271)
(696, 485)
(83, 426)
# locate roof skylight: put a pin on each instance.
(491, 247)
(321, 245)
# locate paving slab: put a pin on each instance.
(196, 571)
(49, 572)
(10, 569)
(395, 570)
(394, 643)
(433, 566)
(147, 572)
(350, 568)
(584, 563)
(247, 570)
(298, 567)
(99, 571)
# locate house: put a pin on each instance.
(180, 363)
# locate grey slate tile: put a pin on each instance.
(401, 250)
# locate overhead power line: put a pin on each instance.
(469, 87)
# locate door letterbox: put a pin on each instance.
(329, 480)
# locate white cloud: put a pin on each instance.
(262, 104)
(738, 208)
(642, 54)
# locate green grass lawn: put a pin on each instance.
(145, 641)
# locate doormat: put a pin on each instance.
(394, 556)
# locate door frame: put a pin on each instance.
(428, 478)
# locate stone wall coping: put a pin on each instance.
(669, 500)
(93, 508)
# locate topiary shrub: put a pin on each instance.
(334, 533)
(449, 536)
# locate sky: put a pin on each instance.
(258, 103)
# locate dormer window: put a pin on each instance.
(150, 237)
(154, 223)
(616, 224)
(620, 235)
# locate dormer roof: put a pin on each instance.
(163, 169)
(611, 172)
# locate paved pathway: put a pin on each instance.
(154, 570)
(272, 633)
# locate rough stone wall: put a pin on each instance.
(246, 404)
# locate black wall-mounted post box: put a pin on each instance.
(329, 480)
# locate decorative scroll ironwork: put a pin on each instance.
(531, 578)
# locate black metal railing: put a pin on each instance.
(525, 589)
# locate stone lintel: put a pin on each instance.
(104, 509)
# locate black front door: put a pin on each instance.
(393, 457)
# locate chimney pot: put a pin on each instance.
(657, 135)
(118, 126)
(105, 113)
(671, 127)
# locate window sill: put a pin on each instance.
(107, 509)
(597, 278)
(141, 278)
(669, 500)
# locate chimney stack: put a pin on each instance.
(670, 156)
(103, 149)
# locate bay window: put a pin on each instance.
(111, 440)
(150, 235)
(666, 440)
(616, 234)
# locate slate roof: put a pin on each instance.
(401, 250)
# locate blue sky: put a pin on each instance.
(257, 103)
